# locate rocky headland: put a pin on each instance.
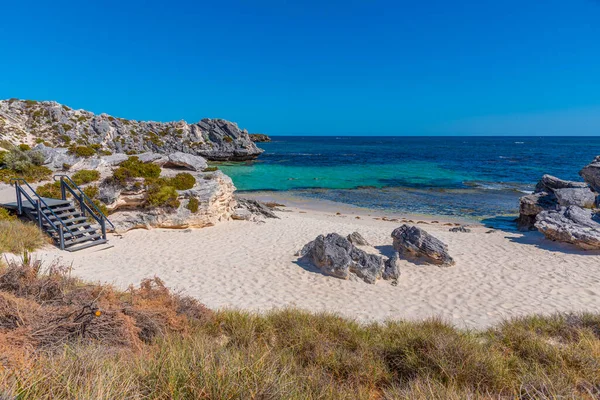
(57, 125)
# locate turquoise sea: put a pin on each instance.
(454, 176)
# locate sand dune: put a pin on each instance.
(252, 266)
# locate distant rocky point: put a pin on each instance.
(259, 137)
(56, 125)
(565, 211)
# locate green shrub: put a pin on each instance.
(24, 147)
(183, 181)
(228, 139)
(5, 215)
(50, 190)
(82, 151)
(66, 127)
(134, 168)
(2, 154)
(193, 204)
(65, 138)
(162, 196)
(210, 169)
(66, 166)
(30, 102)
(85, 176)
(23, 164)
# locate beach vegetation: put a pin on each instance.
(210, 169)
(134, 168)
(161, 194)
(17, 237)
(82, 150)
(26, 164)
(85, 176)
(50, 190)
(183, 181)
(193, 204)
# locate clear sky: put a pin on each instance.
(427, 67)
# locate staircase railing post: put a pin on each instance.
(61, 237)
(63, 190)
(39, 213)
(103, 226)
(19, 199)
(82, 205)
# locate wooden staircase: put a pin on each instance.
(73, 224)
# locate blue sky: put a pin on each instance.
(315, 67)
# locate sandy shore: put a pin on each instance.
(252, 266)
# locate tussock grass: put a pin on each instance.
(176, 349)
(17, 237)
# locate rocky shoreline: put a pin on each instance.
(57, 125)
(565, 211)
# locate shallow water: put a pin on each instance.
(458, 176)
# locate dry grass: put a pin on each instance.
(17, 237)
(149, 343)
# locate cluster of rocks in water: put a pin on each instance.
(58, 125)
(565, 211)
(339, 256)
(213, 191)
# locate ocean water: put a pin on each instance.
(477, 177)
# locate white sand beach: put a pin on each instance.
(252, 266)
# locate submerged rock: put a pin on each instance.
(591, 174)
(571, 224)
(413, 242)
(334, 255)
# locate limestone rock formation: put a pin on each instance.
(572, 224)
(392, 267)
(414, 243)
(334, 255)
(357, 239)
(214, 197)
(551, 193)
(591, 174)
(259, 137)
(58, 125)
(251, 210)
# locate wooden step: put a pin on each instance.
(64, 215)
(87, 245)
(77, 232)
(86, 238)
(59, 209)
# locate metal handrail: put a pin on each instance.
(17, 182)
(86, 197)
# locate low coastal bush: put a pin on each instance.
(210, 169)
(26, 164)
(193, 205)
(85, 176)
(134, 168)
(17, 237)
(5, 215)
(50, 190)
(161, 195)
(82, 151)
(183, 181)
